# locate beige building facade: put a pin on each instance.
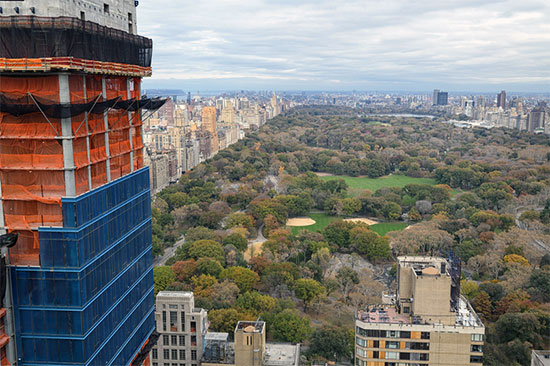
(182, 329)
(427, 323)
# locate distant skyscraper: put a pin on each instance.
(434, 98)
(501, 99)
(209, 124)
(188, 97)
(440, 98)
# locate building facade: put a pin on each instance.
(209, 116)
(427, 322)
(182, 329)
(73, 184)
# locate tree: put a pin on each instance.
(201, 233)
(289, 326)
(203, 284)
(392, 211)
(540, 283)
(523, 326)
(469, 289)
(545, 260)
(482, 304)
(209, 266)
(332, 343)
(308, 291)
(255, 302)
(414, 215)
(224, 295)
(207, 249)
(163, 277)
(244, 278)
(237, 240)
(225, 320)
(370, 243)
(184, 270)
(351, 205)
(240, 219)
(347, 278)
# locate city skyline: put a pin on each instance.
(456, 46)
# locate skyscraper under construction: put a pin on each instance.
(73, 186)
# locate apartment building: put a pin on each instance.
(426, 323)
(182, 329)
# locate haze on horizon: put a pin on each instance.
(456, 45)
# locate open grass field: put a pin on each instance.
(356, 184)
(385, 227)
(322, 220)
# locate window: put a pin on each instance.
(182, 340)
(173, 321)
(476, 348)
(417, 345)
(164, 321)
(404, 334)
(477, 337)
(404, 356)
(425, 335)
(361, 342)
(182, 321)
(174, 340)
(361, 352)
(406, 309)
(165, 340)
(476, 359)
(375, 354)
(392, 344)
(193, 340)
(82, 15)
(172, 306)
(106, 8)
(182, 354)
(155, 353)
(419, 356)
(193, 327)
(166, 354)
(193, 355)
(392, 355)
(174, 354)
(155, 364)
(376, 344)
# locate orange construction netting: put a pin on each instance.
(31, 153)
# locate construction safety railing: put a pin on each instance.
(72, 64)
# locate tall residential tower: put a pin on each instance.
(73, 185)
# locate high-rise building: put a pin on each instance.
(426, 323)
(73, 185)
(228, 113)
(182, 329)
(434, 98)
(501, 99)
(440, 98)
(209, 124)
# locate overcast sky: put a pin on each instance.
(460, 45)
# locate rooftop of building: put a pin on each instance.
(216, 336)
(176, 294)
(388, 314)
(543, 357)
(279, 354)
(250, 326)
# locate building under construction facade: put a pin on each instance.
(73, 185)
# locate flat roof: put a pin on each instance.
(385, 314)
(216, 336)
(257, 325)
(184, 294)
(543, 357)
(279, 354)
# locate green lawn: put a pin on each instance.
(356, 184)
(385, 227)
(322, 220)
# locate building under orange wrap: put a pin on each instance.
(73, 186)
(34, 171)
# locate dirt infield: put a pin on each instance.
(300, 221)
(362, 219)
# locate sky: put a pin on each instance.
(393, 45)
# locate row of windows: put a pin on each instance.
(174, 354)
(389, 333)
(477, 337)
(389, 355)
(177, 340)
(359, 362)
(174, 364)
(393, 344)
(174, 322)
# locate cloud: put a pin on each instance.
(350, 44)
